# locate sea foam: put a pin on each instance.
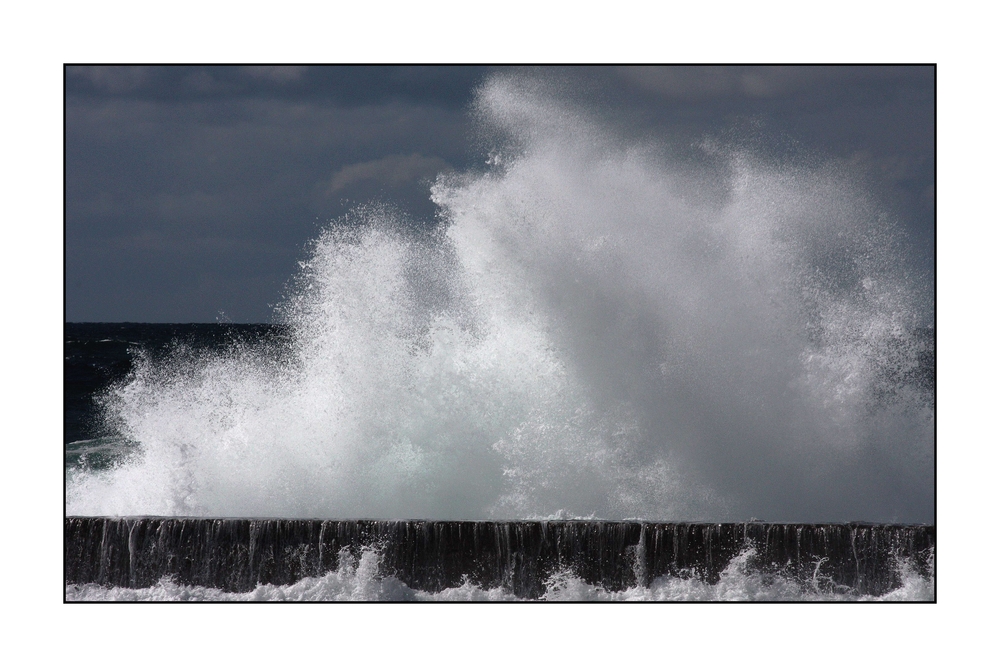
(358, 579)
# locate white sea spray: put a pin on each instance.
(592, 330)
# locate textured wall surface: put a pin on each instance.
(238, 554)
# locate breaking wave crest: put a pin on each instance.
(591, 329)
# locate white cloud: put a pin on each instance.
(391, 170)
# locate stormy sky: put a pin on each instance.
(191, 191)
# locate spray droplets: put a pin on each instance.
(590, 331)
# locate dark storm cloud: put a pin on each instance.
(193, 190)
(693, 83)
(449, 87)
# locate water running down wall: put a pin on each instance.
(518, 556)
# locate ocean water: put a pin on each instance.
(591, 328)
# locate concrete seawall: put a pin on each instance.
(238, 554)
